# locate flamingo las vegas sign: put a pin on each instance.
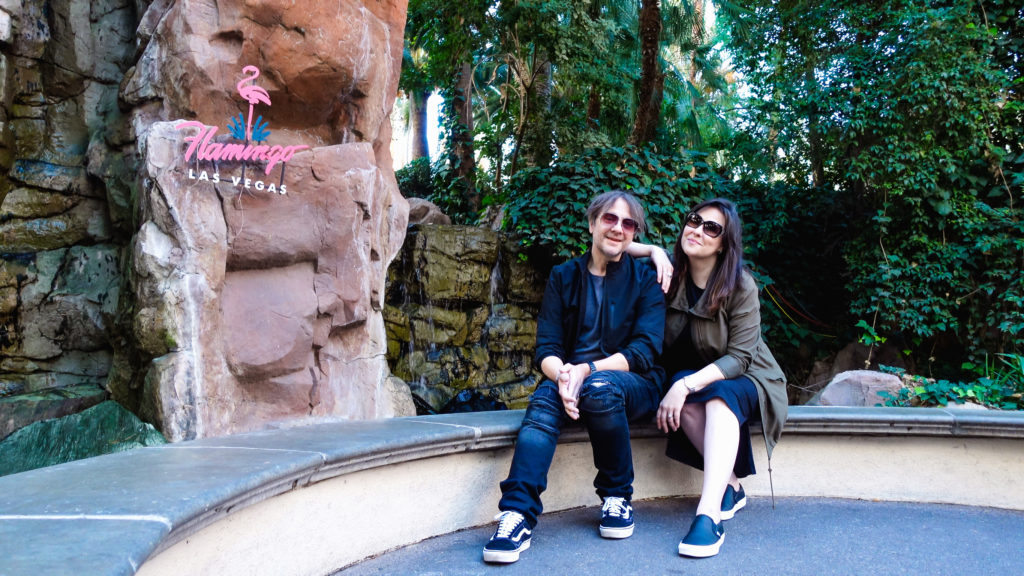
(252, 134)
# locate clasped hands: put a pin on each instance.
(570, 380)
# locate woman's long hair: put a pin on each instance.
(728, 271)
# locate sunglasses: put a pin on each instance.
(628, 224)
(711, 229)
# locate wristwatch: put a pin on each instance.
(592, 367)
(689, 388)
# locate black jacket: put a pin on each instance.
(632, 319)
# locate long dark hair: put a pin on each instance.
(728, 271)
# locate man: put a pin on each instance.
(600, 328)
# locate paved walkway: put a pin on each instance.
(802, 536)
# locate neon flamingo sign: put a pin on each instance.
(203, 146)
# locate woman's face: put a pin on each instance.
(696, 243)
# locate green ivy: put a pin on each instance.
(546, 206)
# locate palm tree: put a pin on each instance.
(652, 81)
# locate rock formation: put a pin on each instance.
(209, 307)
(64, 202)
(462, 315)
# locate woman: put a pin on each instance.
(722, 374)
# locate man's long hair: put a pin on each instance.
(728, 271)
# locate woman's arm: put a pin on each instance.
(670, 411)
(662, 263)
(744, 335)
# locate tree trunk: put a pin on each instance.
(594, 100)
(698, 37)
(462, 136)
(418, 124)
(649, 93)
(538, 140)
(593, 107)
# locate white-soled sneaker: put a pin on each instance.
(511, 538)
(616, 518)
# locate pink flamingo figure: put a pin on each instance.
(252, 94)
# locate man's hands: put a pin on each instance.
(570, 380)
(670, 412)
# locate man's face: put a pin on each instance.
(611, 236)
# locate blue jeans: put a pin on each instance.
(609, 401)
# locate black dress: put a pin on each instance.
(740, 394)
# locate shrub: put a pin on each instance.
(999, 386)
(414, 179)
(546, 205)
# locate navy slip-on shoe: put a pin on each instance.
(704, 538)
(732, 502)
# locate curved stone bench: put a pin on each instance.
(313, 499)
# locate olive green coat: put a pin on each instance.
(731, 339)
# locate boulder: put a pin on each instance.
(333, 86)
(102, 429)
(31, 203)
(858, 388)
(853, 356)
(238, 297)
(401, 403)
(435, 325)
(85, 222)
(24, 409)
(478, 330)
(426, 212)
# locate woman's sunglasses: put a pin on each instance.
(628, 224)
(711, 229)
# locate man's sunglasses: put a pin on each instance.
(628, 224)
(711, 229)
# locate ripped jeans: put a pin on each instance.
(609, 401)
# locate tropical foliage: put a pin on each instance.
(876, 150)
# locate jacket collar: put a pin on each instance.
(613, 268)
(680, 303)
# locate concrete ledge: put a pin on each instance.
(312, 499)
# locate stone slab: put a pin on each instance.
(177, 483)
(58, 547)
(358, 444)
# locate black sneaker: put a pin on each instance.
(732, 502)
(511, 538)
(616, 518)
(704, 538)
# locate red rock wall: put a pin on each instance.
(261, 307)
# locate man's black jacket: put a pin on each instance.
(632, 317)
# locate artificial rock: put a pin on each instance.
(462, 315)
(272, 299)
(225, 307)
